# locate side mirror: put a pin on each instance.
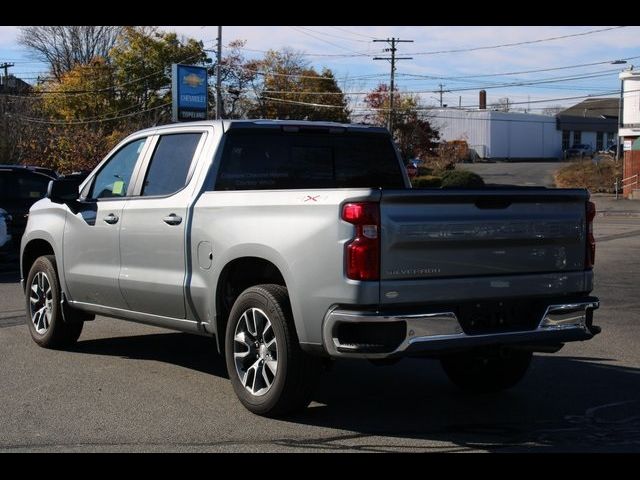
(63, 190)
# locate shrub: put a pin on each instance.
(597, 176)
(426, 181)
(461, 179)
(424, 171)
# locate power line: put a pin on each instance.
(114, 87)
(460, 50)
(441, 91)
(336, 36)
(392, 59)
(529, 71)
(6, 67)
(82, 122)
(513, 44)
(353, 33)
(476, 87)
(418, 109)
(302, 30)
(298, 75)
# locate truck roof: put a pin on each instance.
(260, 123)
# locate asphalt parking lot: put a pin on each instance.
(516, 173)
(127, 387)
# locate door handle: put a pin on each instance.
(172, 219)
(111, 219)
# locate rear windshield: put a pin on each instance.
(265, 160)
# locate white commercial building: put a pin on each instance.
(631, 104)
(500, 135)
(630, 133)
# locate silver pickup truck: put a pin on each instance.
(293, 243)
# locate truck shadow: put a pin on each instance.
(563, 404)
(189, 351)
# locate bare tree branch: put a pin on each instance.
(63, 47)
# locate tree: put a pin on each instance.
(142, 59)
(378, 100)
(415, 137)
(84, 92)
(552, 110)
(412, 132)
(63, 47)
(502, 105)
(236, 79)
(287, 87)
(92, 106)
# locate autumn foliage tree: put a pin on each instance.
(92, 106)
(287, 87)
(86, 108)
(412, 132)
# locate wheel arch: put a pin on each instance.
(33, 249)
(235, 277)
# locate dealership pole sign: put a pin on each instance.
(189, 93)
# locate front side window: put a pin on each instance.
(170, 164)
(114, 177)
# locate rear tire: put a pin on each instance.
(47, 326)
(269, 372)
(486, 371)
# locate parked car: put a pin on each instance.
(579, 150)
(21, 187)
(294, 243)
(5, 236)
(613, 149)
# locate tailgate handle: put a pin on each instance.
(492, 202)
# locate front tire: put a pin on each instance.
(46, 323)
(487, 371)
(269, 372)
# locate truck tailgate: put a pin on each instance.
(430, 234)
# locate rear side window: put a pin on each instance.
(7, 185)
(259, 160)
(22, 185)
(32, 187)
(170, 164)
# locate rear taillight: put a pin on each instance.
(590, 256)
(362, 254)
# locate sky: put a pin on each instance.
(349, 50)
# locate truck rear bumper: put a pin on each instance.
(362, 334)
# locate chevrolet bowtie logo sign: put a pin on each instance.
(189, 91)
(193, 80)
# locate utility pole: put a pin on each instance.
(218, 77)
(6, 67)
(392, 41)
(441, 91)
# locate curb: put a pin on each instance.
(606, 213)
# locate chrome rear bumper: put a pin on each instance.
(437, 332)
